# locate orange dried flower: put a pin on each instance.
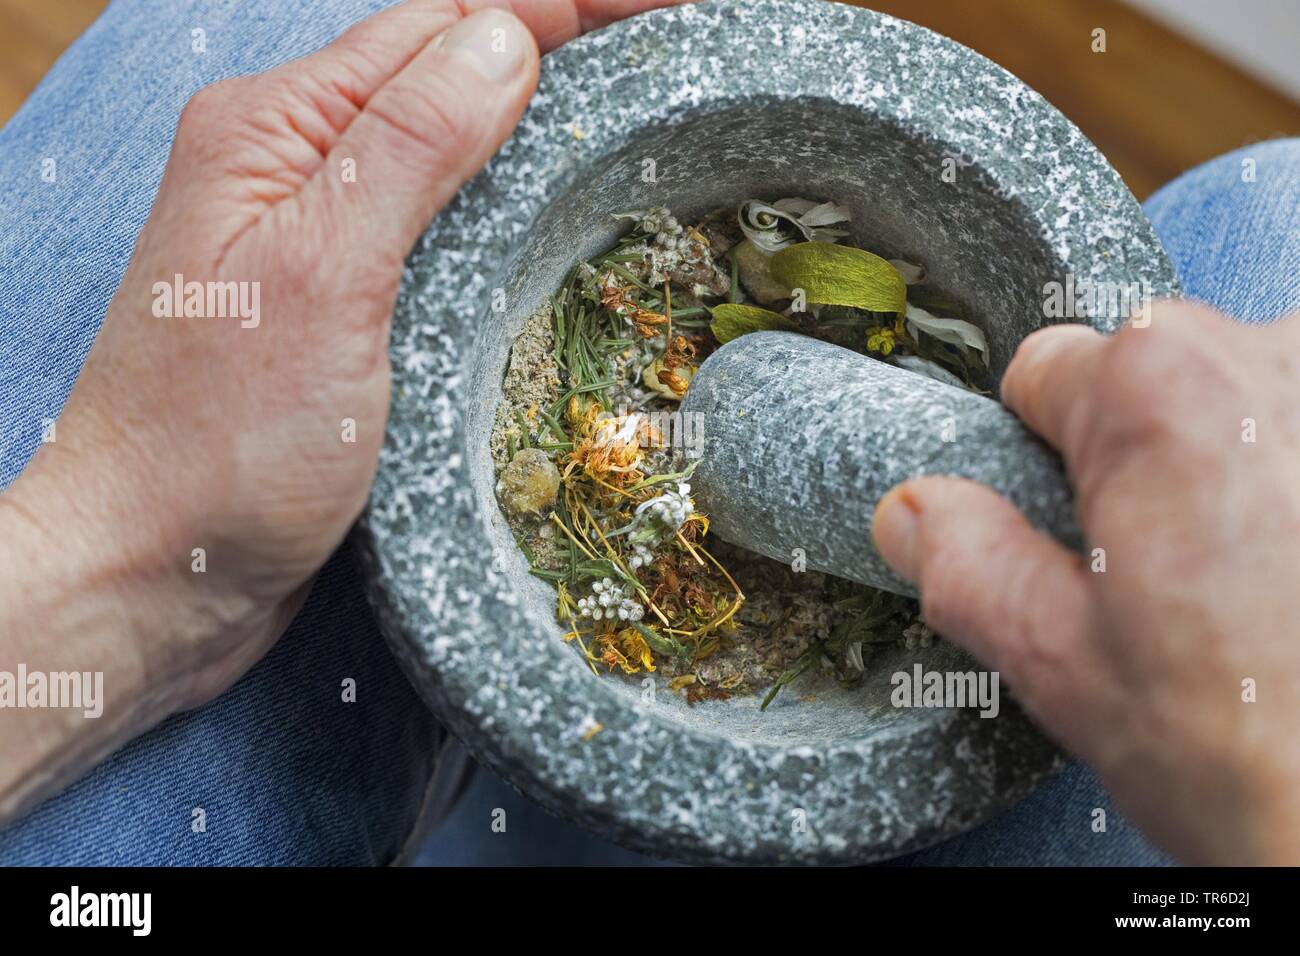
(615, 297)
(647, 323)
(626, 650)
(678, 353)
(673, 381)
(612, 447)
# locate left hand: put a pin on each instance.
(307, 184)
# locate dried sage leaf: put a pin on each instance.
(912, 273)
(956, 332)
(788, 221)
(732, 321)
(841, 275)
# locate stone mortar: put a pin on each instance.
(731, 100)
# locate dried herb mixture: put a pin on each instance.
(594, 474)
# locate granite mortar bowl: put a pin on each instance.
(943, 158)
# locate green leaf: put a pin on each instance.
(841, 275)
(804, 662)
(732, 321)
(662, 643)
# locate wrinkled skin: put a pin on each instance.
(222, 435)
(1139, 668)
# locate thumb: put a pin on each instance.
(427, 130)
(988, 580)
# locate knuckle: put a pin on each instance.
(1042, 656)
(1026, 370)
(1144, 350)
(205, 119)
(208, 105)
(1162, 380)
(1140, 372)
(1031, 630)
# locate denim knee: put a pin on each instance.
(1231, 229)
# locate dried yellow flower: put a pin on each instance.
(635, 646)
(612, 446)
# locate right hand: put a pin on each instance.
(1182, 441)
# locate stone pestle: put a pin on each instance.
(802, 438)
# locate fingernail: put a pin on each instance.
(492, 42)
(895, 527)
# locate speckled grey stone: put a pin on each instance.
(730, 100)
(802, 438)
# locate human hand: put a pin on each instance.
(1182, 441)
(252, 437)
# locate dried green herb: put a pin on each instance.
(617, 544)
(841, 275)
(732, 321)
(662, 643)
(805, 661)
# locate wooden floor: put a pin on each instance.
(1154, 103)
(32, 35)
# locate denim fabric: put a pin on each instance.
(1232, 230)
(284, 771)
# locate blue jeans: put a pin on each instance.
(286, 772)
